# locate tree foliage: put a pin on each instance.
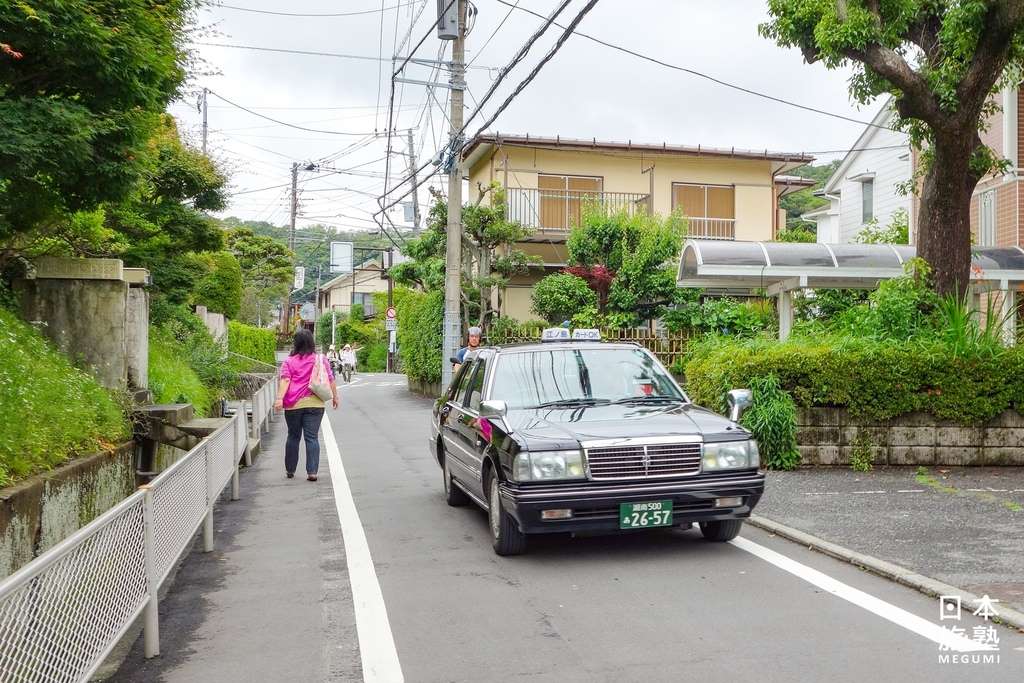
(220, 288)
(561, 296)
(941, 60)
(83, 84)
(266, 266)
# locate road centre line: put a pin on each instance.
(376, 641)
(888, 611)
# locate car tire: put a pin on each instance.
(506, 537)
(453, 495)
(724, 530)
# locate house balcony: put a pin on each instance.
(711, 228)
(552, 213)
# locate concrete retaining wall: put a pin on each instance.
(41, 511)
(215, 323)
(428, 389)
(827, 436)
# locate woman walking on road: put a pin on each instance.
(303, 409)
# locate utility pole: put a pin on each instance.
(453, 254)
(415, 192)
(391, 302)
(205, 110)
(286, 309)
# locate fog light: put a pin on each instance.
(556, 514)
(731, 502)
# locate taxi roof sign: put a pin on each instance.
(552, 334)
(584, 334)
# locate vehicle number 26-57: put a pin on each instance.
(646, 514)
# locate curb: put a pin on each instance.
(888, 570)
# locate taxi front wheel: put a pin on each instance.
(505, 534)
(724, 530)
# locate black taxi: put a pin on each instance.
(573, 434)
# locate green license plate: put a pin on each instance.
(643, 515)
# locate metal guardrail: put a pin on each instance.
(63, 612)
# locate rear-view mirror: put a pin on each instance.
(493, 409)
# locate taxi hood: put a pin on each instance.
(563, 428)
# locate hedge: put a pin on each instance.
(252, 342)
(420, 326)
(51, 410)
(874, 379)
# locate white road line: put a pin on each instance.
(376, 642)
(896, 615)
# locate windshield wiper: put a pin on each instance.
(650, 399)
(573, 402)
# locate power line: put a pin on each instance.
(493, 33)
(705, 76)
(285, 123)
(299, 14)
(313, 53)
(274, 187)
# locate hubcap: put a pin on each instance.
(494, 509)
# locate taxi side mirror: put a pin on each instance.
(493, 409)
(739, 400)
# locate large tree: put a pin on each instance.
(82, 87)
(942, 61)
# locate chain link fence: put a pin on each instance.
(62, 614)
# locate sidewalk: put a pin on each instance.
(272, 601)
(962, 526)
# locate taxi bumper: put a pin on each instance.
(595, 506)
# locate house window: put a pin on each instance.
(364, 299)
(987, 222)
(562, 198)
(710, 208)
(867, 200)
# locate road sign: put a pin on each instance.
(308, 312)
(341, 257)
(300, 277)
(391, 313)
(390, 324)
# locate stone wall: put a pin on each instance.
(42, 511)
(430, 390)
(215, 322)
(137, 337)
(827, 436)
(85, 319)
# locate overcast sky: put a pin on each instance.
(586, 91)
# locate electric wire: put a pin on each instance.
(284, 123)
(306, 14)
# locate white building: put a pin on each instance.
(864, 186)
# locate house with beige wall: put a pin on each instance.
(358, 287)
(727, 194)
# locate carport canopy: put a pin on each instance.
(780, 268)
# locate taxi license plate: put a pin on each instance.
(643, 515)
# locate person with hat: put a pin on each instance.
(348, 362)
(473, 343)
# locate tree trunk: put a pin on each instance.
(944, 224)
(485, 290)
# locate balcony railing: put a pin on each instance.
(712, 228)
(561, 210)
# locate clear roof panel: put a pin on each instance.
(865, 256)
(999, 258)
(796, 255)
(729, 253)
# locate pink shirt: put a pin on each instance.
(298, 369)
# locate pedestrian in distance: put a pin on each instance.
(304, 375)
(471, 345)
(334, 357)
(348, 362)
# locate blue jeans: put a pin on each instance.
(303, 422)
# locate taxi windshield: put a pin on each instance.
(584, 376)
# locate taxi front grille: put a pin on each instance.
(640, 462)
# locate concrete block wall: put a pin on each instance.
(828, 436)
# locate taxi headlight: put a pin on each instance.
(548, 465)
(731, 455)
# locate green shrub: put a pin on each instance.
(420, 323)
(862, 456)
(772, 421)
(51, 410)
(874, 378)
(372, 358)
(722, 315)
(796, 234)
(252, 342)
(171, 377)
(220, 289)
(559, 297)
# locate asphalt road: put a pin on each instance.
(658, 606)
